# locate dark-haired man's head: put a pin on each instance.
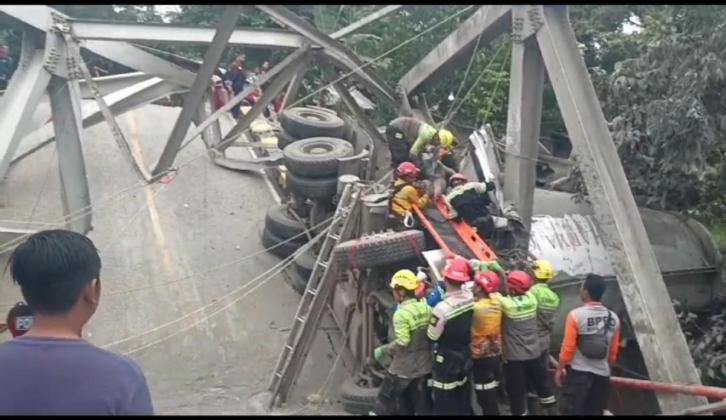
(58, 274)
(593, 288)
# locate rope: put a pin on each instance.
(466, 74)
(476, 82)
(279, 265)
(346, 75)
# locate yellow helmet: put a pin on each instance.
(406, 279)
(543, 270)
(448, 141)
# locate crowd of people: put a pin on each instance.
(235, 80)
(484, 327)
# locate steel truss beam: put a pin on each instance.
(109, 84)
(179, 34)
(65, 105)
(490, 21)
(200, 86)
(332, 48)
(118, 102)
(646, 298)
(358, 25)
(22, 96)
(42, 17)
(524, 119)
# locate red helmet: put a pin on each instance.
(457, 269)
(406, 168)
(457, 177)
(518, 282)
(488, 281)
(19, 319)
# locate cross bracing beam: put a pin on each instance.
(116, 82)
(489, 21)
(661, 341)
(333, 49)
(119, 102)
(42, 17)
(180, 34)
(194, 98)
(358, 25)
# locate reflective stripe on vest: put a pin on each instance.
(486, 386)
(447, 385)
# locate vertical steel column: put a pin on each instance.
(212, 134)
(199, 87)
(66, 109)
(20, 100)
(641, 284)
(524, 118)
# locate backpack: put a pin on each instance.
(595, 346)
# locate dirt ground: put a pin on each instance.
(173, 271)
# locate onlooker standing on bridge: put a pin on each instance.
(51, 370)
(236, 79)
(6, 65)
(589, 349)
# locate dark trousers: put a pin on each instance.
(486, 384)
(402, 396)
(450, 387)
(585, 393)
(517, 375)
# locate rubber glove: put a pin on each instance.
(378, 353)
(493, 266)
(435, 296)
(475, 264)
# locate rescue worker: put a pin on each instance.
(486, 342)
(548, 302)
(406, 192)
(521, 347)
(589, 350)
(404, 389)
(235, 79)
(450, 331)
(469, 201)
(408, 138)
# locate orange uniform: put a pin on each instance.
(585, 320)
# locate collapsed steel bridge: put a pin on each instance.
(543, 42)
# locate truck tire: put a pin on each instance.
(304, 264)
(296, 281)
(284, 138)
(357, 399)
(312, 187)
(379, 249)
(269, 240)
(306, 122)
(316, 157)
(283, 225)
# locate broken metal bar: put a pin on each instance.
(294, 86)
(165, 33)
(65, 105)
(267, 97)
(39, 17)
(524, 119)
(644, 293)
(26, 87)
(118, 102)
(211, 135)
(198, 89)
(358, 25)
(489, 21)
(331, 47)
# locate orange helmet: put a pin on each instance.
(457, 269)
(488, 281)
(406, 169)
(518, 282)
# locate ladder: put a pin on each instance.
(313, 302)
